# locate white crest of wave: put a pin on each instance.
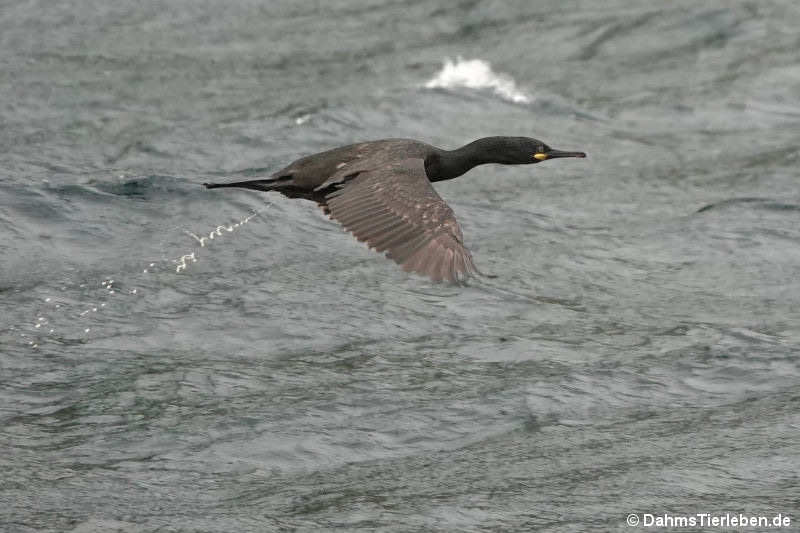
(477, 74)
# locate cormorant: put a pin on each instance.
(381, 192)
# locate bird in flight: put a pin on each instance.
(381, 192)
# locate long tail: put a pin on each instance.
(283, 185)
(271, 184)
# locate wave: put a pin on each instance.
(477, 74)
(763, 203)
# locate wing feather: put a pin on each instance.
(394, 208)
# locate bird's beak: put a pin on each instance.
(552, 154)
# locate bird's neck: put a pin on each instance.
(449, 164)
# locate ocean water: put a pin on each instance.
(179, 359)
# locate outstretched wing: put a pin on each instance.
(395, 209)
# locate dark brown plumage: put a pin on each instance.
(381, 192)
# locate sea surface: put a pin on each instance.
(178, 359)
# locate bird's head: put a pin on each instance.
(525, 150)
(503, 150)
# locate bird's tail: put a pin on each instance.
(284, 185)
(269, 184)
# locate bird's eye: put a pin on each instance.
(542, 149)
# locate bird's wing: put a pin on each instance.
(395, 209)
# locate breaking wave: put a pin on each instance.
(477, 74)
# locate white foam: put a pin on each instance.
(219, 229)
(183, 261)
(107, 286)
(477, 74)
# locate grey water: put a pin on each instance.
(636, 353)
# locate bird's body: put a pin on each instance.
(381, 192)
